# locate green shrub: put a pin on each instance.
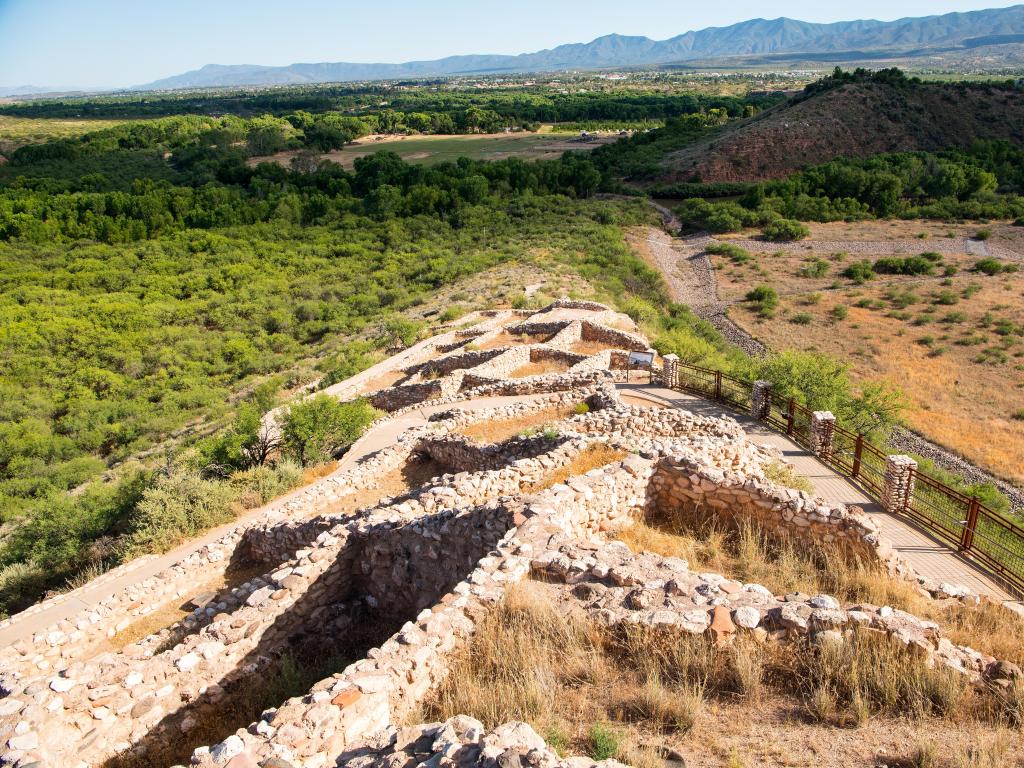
(946, 298)
(453, 312)
(839, 312)
(816, 268)
(803, 318)
(581, 408)
(904, 265)
(736, 254)
(785, 230)
(860, 271)
(983, 234)
(177, 508)
(20, 585)
(399, 331)
(604, 743)
(317, 429)
(765, 297)
(989, 266)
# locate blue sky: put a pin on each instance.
(112, 43)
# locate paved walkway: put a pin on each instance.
(928, 556)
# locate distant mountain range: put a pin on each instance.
(773, 40)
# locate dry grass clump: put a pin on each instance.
(588, 348)
(540, 368)
(871, 673)
(750, 553)
(593, 456)
(628, 691)
(993, 752)
(496, 431)
(784, 475)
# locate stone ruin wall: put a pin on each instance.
(438, 557)
(686, 489)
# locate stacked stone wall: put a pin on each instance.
(684, 488)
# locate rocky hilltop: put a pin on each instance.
(400, 587)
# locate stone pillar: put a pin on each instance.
(761, 399)
(670, 370)
(898, 488)
(823, 427)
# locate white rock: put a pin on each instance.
(62, 684)
(747, 617)
(227, 749)
(187, 663)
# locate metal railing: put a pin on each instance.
(955, 518)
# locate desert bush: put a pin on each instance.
(764, 298)
(904, 265)
(175, 508)
(860, 271)
(816, 268)
(785, 230)
(735, 254)
(316, 429)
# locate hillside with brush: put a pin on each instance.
(855, 118)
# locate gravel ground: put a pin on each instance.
(874, 247)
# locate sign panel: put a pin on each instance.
(641, 359)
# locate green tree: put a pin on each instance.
(317, 429)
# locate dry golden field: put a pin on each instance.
(953, 344)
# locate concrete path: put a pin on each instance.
(39, 617)
(928, 556)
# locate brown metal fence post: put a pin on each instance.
(967, 540)
(718, 385)
(858, 449)
(790, 416)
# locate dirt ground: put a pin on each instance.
(955, 346)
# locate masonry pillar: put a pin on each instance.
(761, 399)
(898, 487)
(823, 427)
(670, 370)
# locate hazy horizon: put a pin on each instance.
(116, 43)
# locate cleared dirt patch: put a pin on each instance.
(497, 431)
(385, 380)
(641, 401)
(416, 472)
(430, 150)
(588, 348)
(506, 339)
(176, 611)
(594, 456)
(539, 369)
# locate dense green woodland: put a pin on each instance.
(149, 279)
(985, 181)
(418, 107)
